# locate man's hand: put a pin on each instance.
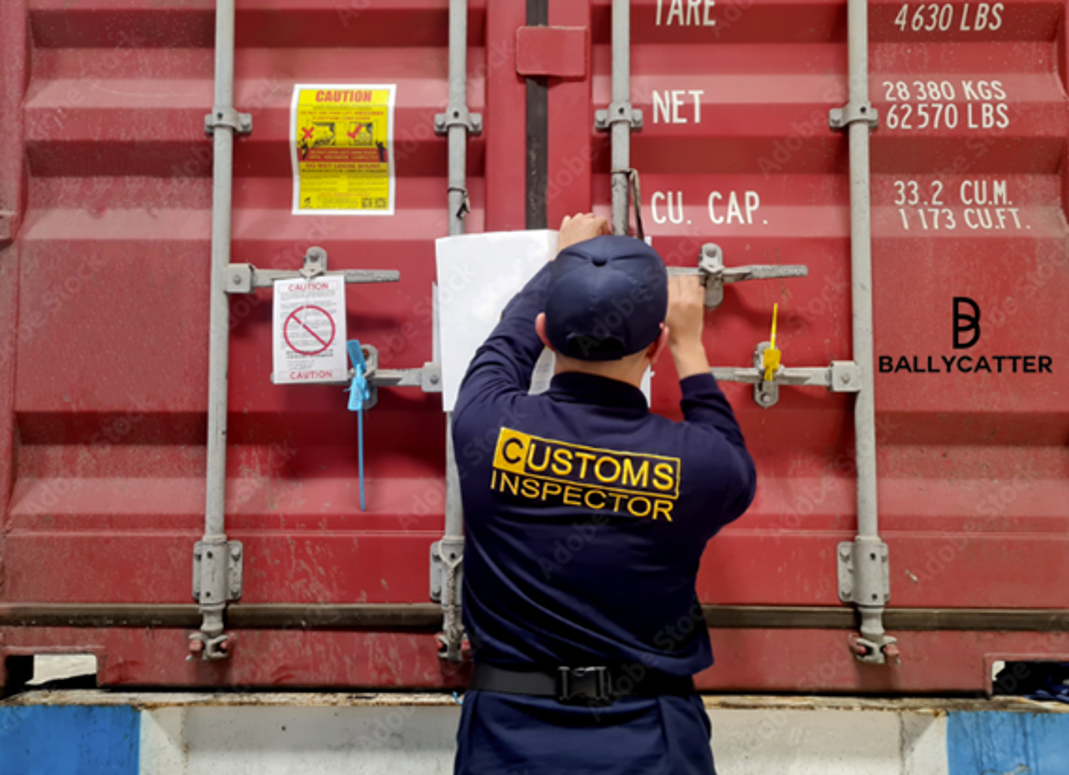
(685, 320)
(579, 228)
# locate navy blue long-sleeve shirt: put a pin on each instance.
(586, 514)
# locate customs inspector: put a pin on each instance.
(586, 519)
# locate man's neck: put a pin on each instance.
(629, 371)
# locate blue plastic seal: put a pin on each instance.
(359, 393)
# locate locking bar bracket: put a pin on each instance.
(864, 557)
(458, 115)
(714, 273)
(241, 123)
(447, 575)
(864, 571)
(841, 118)
(444, 552)
(217, 580)
(217, 571)
(615, 113)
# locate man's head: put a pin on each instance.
(606, 305)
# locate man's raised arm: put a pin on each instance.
(702, 401)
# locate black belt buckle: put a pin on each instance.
(584, 686)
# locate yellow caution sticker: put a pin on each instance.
(341, 140)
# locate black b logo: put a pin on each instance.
(964, 322)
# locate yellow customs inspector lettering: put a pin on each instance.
(558, 472)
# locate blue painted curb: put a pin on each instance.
(69, 740)
(992, 743)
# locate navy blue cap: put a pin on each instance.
(606, 299)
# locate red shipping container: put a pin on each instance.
(105, 224)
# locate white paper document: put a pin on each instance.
(477, 276)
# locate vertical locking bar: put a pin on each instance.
(620, 119)
(868, 551)
(621, 97)
(210, 642)
(458, 133)
(452, 542)
(450, 555)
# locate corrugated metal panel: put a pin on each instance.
(109, 398)
(947, 443)
(108, 294)
(972, 466)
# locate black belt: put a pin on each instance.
(597, 685)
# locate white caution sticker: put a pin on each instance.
(309, 331)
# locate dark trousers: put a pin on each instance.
(510, 734)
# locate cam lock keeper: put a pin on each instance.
(768, 372)
(714, 274)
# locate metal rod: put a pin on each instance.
(454, 512)
(458, 95)
(427, 617)
(802, 376)
(621, 95)
(452, 543)
(451, 552)
(737, 274)
(214, 582)
(861, 272)
(265, 278)
(861, 297)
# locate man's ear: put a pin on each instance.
(655, 349)
(540, 327)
